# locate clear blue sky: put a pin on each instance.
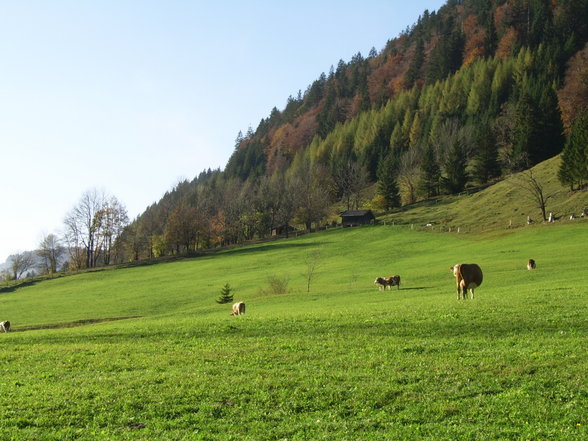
(132, 96)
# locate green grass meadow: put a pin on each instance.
(146, 353)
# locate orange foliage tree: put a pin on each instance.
(475, 44)
(573, 97)
(507, 43)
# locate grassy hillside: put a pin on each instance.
(497, 206)
(343, 362)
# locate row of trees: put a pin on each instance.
(90, 238)
(214, 210)
(49, 258)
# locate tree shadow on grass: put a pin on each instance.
(271, 247)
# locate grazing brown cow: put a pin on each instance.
(468, 276)
(388, 282)
(238, 308)
(393, 281)
(5, 326)
(531, 264)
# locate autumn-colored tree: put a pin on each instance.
(508, 43)
(183, 228)
(475, 40)
(573, 96)
(217, 229)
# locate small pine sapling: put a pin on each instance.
(226, 295)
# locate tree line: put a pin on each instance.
(215, 210)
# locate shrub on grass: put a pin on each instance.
(276, 285)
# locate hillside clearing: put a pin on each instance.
(500, 206)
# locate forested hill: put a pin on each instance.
(470, 93)
(507, 52)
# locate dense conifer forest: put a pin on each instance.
(466, 96)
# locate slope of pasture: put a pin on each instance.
(343, 362)
(499, 205)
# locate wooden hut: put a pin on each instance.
(352, 218)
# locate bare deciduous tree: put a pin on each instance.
(50, 251)
(313, 261)
(534, 189)
(92, 226)
(81, 229)
(351, 180)
(313, 186)
(110, 221)
(20, 263)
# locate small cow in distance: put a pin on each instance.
(394, 281)
(389, 282)
(5, 326)
(238, 308)
(531, 265)
(381, 282)
(468, 276)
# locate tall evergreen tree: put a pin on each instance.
(416, 63)
(430, 173)
(549, 127)
(485, 166)
(523, 134)
(573, 170)
(447, 55)
(455, 163)
(387, 184)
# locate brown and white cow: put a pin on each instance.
(238, 308)
(381, 282)
(393, 281)
(531, 265)
(387, 282)
(468, 276)
(5, 326)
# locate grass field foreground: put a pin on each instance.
(341, 362)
